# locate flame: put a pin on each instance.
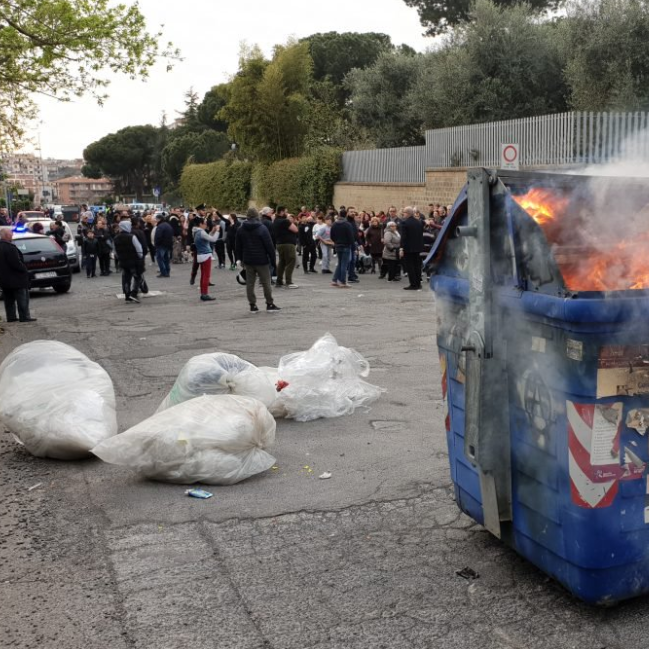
(543, 205)
(601, 266)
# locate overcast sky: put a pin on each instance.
(208, 34)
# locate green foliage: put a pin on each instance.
(268, 103)
(377, 99)
(67, 48)
(439, 16)
(198, 148)
(606, 47)
(295, 182)
(223, 185)
(334, 55)
(127, 157)
(213, 101)
(501, 64)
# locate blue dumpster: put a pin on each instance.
(546, 378)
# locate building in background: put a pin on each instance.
(35, 176)
(77, 190)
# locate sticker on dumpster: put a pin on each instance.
(538, 344)
(638, 419)
(575, 349)
(594, 454)
(623, 370)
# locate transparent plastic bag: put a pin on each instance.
(219, 373)
(324, 360)
(55, 400)
(324, 381)
(307, 401)
(210, 439)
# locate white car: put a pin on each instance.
(72, 249)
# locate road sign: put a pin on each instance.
(509, 156)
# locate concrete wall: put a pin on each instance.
(442, 186)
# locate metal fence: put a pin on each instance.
(553, 140)
(403, 165)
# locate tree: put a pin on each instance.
(213, 101)
(606, 48)
(197, 148)
(439, 16)
(502, 63)
(62, 48)
(377, 100)
(334, 54)
(127, 158)
(268, 103)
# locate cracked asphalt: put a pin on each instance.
(92, 557)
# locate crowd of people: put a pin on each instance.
(266, 246)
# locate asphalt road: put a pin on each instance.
(96, 558)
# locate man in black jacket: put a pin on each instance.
(342, 234)
(14, 279)
(308, 244)
(254, 249)
(285, 240)
(164, 242)
(412, 245)
(130, 253)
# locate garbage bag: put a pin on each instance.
(55, 400)
(219, 373)
(213, 439)
(323, 361)
(324, 381)
(307, 400)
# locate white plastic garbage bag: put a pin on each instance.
(211, 439)
(55, 400)
(219, 373)
(306, 401)
(324, 381)
(324, 360)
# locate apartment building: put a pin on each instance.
(77, 190)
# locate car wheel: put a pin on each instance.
(62, 288)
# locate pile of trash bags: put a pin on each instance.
(213, 427)
(324, 381)
(55, 400)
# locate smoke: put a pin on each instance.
(605, 222)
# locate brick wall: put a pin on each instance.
(442, 186)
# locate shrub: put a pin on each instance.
(299, 181)
(224, 185)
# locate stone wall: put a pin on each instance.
(442, 186)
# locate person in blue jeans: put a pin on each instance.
(164, 242)
(342, 234)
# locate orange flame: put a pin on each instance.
(543, 205)
(610, 266)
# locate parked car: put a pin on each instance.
(31, 215)
(72, 249)
(46, 262)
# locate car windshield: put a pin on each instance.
(34, 246)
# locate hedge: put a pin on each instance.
(292, 182)
(298, 181)
(223, 184)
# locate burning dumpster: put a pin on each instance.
(542, 290)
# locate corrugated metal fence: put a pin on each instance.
(562, 139)
(403, 165)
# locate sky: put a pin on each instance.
(209, 33)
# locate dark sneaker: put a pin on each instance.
(27, 320)
(254, 308)
(272, 307)
(133, 298)
(207, 298)
(191, 281)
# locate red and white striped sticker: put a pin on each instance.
(594, 454)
